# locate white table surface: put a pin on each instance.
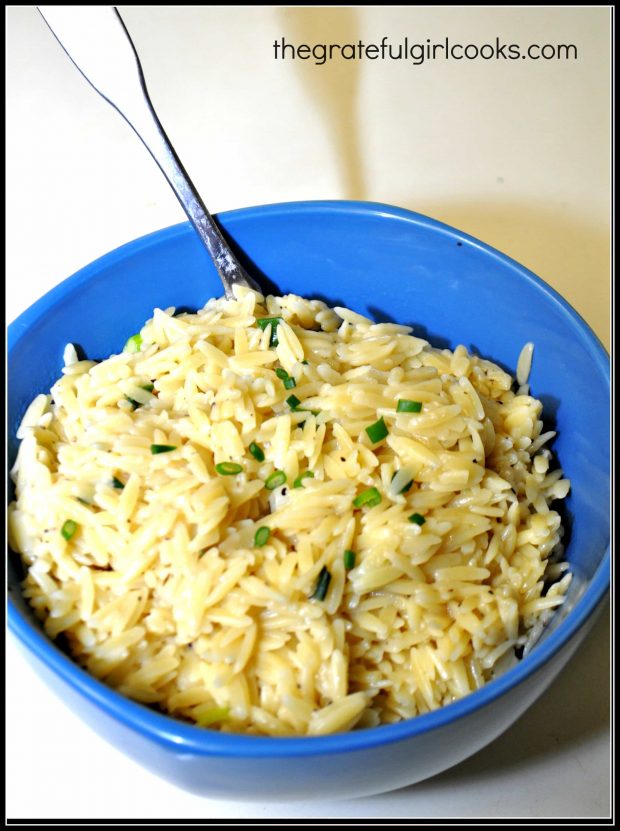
(515, 153)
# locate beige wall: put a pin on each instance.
(515, 153)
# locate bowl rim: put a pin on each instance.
(184, 737)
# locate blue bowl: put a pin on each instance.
(390, 264)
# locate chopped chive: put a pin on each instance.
(133, 343)
(369, 497)
(257, 452)
(417, 518)
(349, 559)
(162, 448)
(406, 405)
(68, 529)
(275, 479)
(136, 404)
(261, 537)
(293, 402)
(286, 379)
(212, 715)
(406, 487)
(308, 474)
(305, 362)
(377, 431)
(322, 584)
(116, 483)
(228, 468)
(83, 501)
(264, 322)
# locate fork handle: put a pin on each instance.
(96, 40)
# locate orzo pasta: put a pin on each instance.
(279, 518)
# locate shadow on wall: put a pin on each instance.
(332, 86)
(568, 252)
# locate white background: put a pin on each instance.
(515, 153)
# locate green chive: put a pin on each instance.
(377, 431)
(305, 362)
(133, 343)
(405, 405)
(69, 529)
(349, 559)
(162, 448)
(275, 479)
(212, 715)
(261, 537)
(228, 468)
(406, 487)
(417, 518)
(369, 497)
(257, 452)
(308, 474)
(136, 404)
(286, 379)
(116, 483)
(322, 584)
(264, 322)
(293, 402)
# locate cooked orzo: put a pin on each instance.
(280, 518)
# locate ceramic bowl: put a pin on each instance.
(390, 264)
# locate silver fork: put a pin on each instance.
(96, 40)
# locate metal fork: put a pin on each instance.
(96, 40)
